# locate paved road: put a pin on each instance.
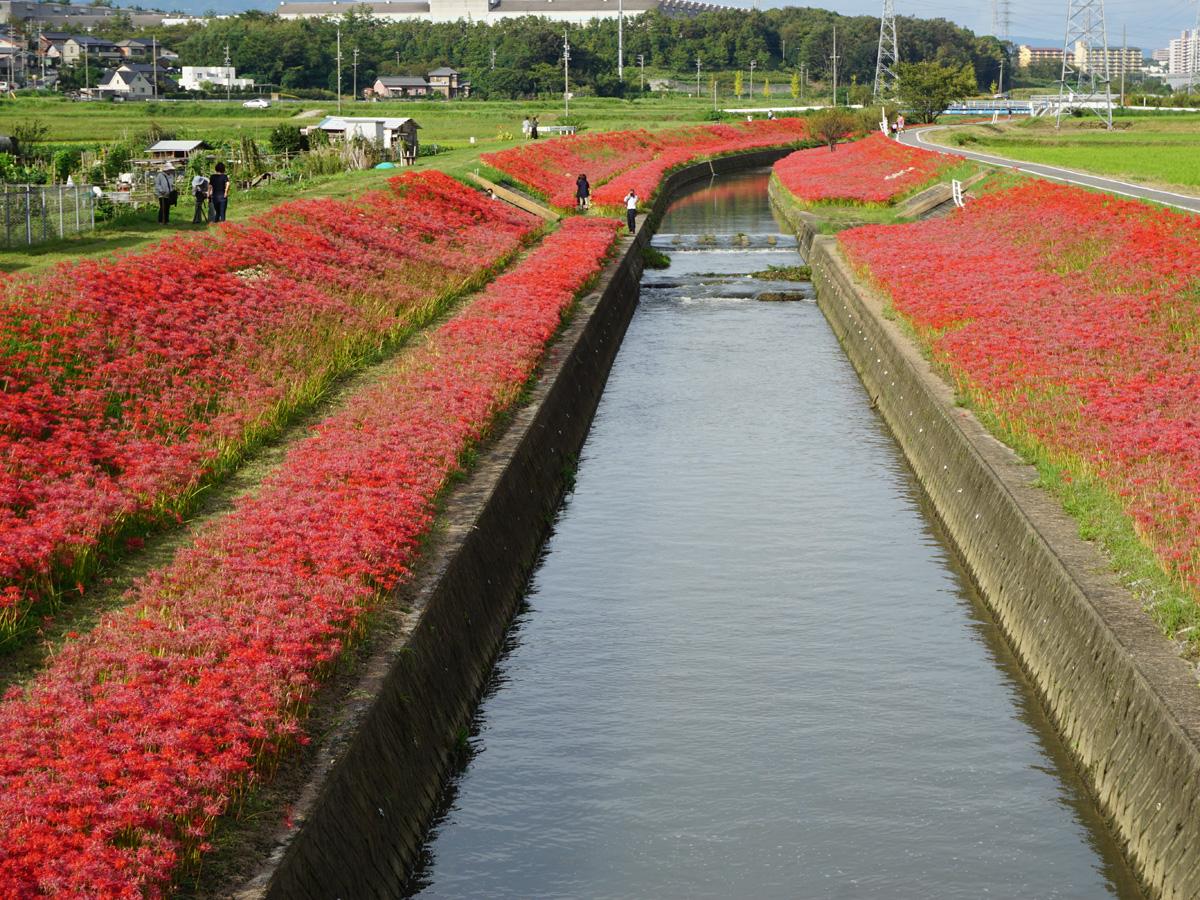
(917, 138)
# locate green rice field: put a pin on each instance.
(1160, 150)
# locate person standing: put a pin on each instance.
(900, 124)
(218, 194)
(631, 203)
(533, 125)
(525, 126)
(583, 192)
(164, 190)
(200, 194)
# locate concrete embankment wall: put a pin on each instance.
(360, 822)
(1126, 704)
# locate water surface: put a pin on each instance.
(748, 664)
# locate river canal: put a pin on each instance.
(748, 664)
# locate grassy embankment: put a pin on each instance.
(1155, 150)
(493, 125)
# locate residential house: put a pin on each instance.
(96, 50)
(442, 82)
(135, 49)
(400, 86)
(445, 81)
(122, 82)
(165, 75)
(194, 78)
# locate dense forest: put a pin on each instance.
(298, 54)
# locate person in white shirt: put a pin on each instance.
(631, 203)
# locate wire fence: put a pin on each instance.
(33, 213)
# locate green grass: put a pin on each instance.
(1154, 150)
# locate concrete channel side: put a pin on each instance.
(360, 821)
(1126, 704)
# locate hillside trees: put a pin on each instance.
(299, 53)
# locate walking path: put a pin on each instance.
(918, 138)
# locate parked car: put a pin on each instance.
(257, 103)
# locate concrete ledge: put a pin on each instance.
(1126, 704)
(360, 820)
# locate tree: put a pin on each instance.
(927, 88)
(831, 125)
(795, 85)
(287, 138)
(737, 84)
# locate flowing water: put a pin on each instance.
(748, 664)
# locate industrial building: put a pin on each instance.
(576, 11)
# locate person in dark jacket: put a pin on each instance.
(583, 192)
(164, 190)
(218, 194)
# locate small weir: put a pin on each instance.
(748, 664)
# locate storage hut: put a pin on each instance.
(174, 151)
(398, 134)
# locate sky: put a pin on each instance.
(1151, 23)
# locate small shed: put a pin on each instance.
(389, 133)
(175, 151)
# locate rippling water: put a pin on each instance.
(748, 665)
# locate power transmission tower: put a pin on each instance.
(1001, 18)
(889, 54)
(1085, 68)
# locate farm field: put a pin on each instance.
(1158, 150)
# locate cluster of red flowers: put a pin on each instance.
(1074, 319)
(685, 145)
(124, 384)
(118, 757)
(875, 171)
(551, 167)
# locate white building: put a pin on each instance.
(1181, 53)
(123, 82)
(193, 78)
(577, 11)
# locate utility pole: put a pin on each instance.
(753, 63)
(354, 66)
(493, 58)
(834, 59)
(888, 55)
(339, 68)
(86, 79)
(1001, 84)
(398, 60)
(566, 75)
(697, 76)
(621, 39)
(154, 64)
(228, 74)
(642, 66)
